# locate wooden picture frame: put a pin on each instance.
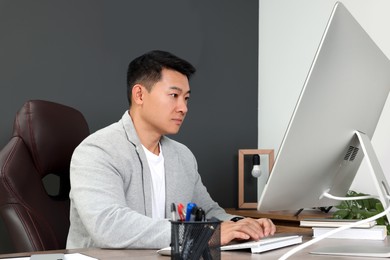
(242, 204)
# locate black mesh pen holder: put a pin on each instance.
(196, 240)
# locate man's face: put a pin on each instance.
(165, 107)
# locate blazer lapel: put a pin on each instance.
(172, 176)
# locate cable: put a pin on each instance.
(316, 239)
(330, 196)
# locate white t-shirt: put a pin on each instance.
(156, 166)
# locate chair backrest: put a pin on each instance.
(44, 137)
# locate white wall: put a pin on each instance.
(289, 34)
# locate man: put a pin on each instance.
(124, 177)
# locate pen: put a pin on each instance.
(173, 211)
(190, 207)
(180, 211)
(200, 215)
(176, 250)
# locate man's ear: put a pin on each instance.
(137, 93)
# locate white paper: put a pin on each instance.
(78, 256)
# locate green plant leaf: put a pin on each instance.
(361, 209)
(341, 214)
(342, 205)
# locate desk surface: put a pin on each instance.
(283, 215)
(106, 254)
(283, 219)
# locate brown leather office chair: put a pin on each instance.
(44, 137)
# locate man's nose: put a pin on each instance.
(182, 106)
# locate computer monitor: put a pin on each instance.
(333, 121)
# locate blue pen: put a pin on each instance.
(189, 212)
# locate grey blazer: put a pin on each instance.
(111, 190)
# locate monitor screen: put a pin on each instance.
(344, 92)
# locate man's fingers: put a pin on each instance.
(247, 228)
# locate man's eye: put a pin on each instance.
(174, 95)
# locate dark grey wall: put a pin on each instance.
(76, 52)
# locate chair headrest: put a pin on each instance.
(51, 132)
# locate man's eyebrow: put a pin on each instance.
(179, 89)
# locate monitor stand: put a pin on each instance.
(382, 186)
(376, 171)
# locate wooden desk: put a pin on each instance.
(285, 221)
(282, 215)
(106, 254)
(281, 219)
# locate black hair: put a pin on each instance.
(146, 69)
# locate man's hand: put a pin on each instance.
(247, 228)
